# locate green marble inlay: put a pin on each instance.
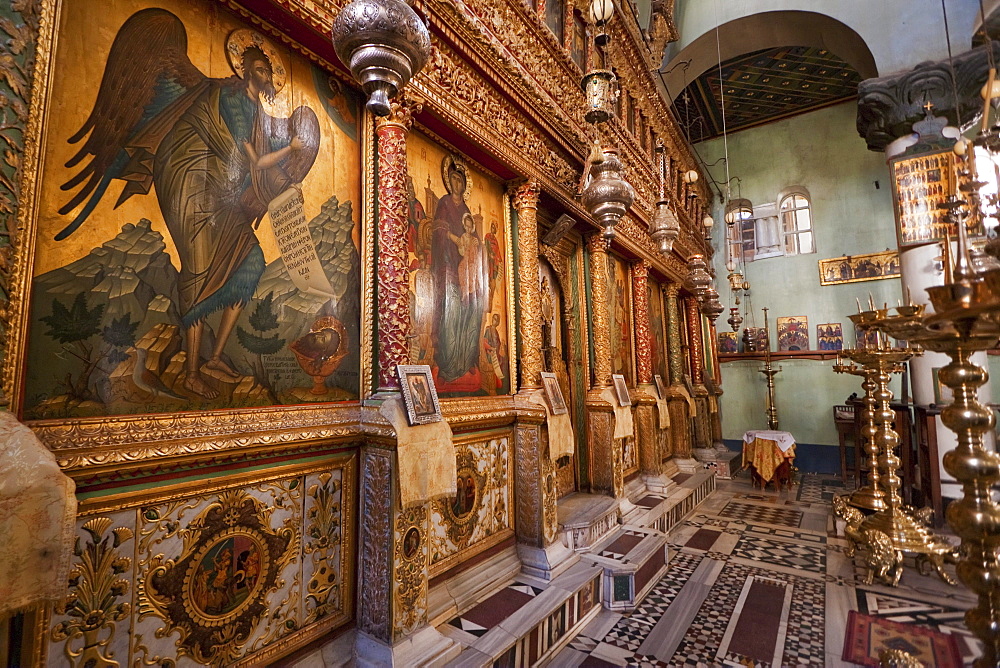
(622, 588)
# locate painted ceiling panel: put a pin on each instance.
(764, 86)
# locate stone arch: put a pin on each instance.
(768, 30)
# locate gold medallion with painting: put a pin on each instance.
(458, 238)
(463, 510)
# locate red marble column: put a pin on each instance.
(643, 339)
(392, 264)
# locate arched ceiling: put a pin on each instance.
(774, 65)
(764, 86)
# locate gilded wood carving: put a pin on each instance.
(228, 572)
(478, 516)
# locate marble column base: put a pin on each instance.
(657, 483)
(687, 465)
(548, 562)
(424, 648)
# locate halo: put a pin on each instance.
(455, 162)
(237, 43)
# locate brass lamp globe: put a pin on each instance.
(384, 44)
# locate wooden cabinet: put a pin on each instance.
(927, 486)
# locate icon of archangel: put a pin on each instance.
(214, 155)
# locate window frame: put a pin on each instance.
(791, 233)
(742, 232)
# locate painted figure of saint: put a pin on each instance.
(459, 289)
(214, 155)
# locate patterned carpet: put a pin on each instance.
(747, 574)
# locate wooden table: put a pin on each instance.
(769, 455)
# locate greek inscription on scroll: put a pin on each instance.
(291, 230)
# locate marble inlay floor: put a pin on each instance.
(760, 578)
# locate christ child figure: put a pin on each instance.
(469, 268)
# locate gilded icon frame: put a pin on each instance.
(557, 403)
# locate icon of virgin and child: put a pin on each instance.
(459, 269)
(212, 152)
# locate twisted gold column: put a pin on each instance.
(675, 362)
(525, 200)
(643, 338)
(695, 354)
(598, 246)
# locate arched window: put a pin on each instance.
(740, 230)
(796, 223)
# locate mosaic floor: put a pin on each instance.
(759, 578)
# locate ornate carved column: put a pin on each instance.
(680, 432)
(715, 391)
(606, 460)
(675, 364)
(702, 437)
(695, 349)
(392, 577)
(643, 340)
(393, 275)
(542, 555)
(599, 281)
(647, 438)
(525, 199)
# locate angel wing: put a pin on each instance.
(147, 70)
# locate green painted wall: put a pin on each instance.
(822, 152)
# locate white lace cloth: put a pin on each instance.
(784, 440)
(37, 519)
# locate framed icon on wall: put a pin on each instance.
(557, 404)
(419, 393)
(621, 390)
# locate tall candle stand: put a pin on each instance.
(769, 372)
(967, 320)
(891, 524)
(870, 495)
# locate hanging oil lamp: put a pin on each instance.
(384, 44)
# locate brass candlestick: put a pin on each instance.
(869, 496)
(968, 320)
(769, 371)
(891, 530)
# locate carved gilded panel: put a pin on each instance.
(480, 514)
(227, 573)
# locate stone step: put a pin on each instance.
(528, 620)
(634, 558)
(515, 619)
(585, 519)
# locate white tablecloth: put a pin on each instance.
(783, 439)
